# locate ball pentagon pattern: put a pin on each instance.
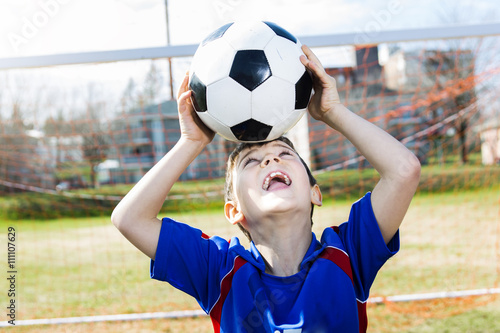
(248, 83)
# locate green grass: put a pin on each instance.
(82, 267)
(484, 320)
(461, 315)
(341, 184)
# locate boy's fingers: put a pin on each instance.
(184, 97)
(310, 55)
(313, 64)
(184, 86)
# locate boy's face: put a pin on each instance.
(270, 180)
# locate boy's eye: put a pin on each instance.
(249, 160)
(285, 152)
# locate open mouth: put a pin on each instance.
(275, 179)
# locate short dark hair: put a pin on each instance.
(231, 162)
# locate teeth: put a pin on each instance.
(265, 186)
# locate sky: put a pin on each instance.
(34, 27)
(40, 27)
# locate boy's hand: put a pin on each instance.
(192, 128)
(325, 95)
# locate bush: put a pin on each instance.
(38, 206)
(341, 184)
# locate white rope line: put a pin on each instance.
(341, 165)
(118, 317)
(337, 166)
(445, 121)
(62, 193)
(201, 313)
(435, 295)
(419, 134)
(102, 197)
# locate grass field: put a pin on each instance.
(84, 267)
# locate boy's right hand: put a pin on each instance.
(326, 96)
(192, 128)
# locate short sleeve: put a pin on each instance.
(190, 261)
(365, 245)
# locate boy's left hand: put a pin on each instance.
(192, 128)
(325, 87)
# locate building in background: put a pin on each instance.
(143, 136)
(490, 142)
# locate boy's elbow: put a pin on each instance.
(115, 219)
(118, 219)
(409, 170)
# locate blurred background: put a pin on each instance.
(74, 138)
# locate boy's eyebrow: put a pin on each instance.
(240, 159)
(283, 145)
(251, 150)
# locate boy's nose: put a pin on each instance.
(268, 159)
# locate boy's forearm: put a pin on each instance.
(386, 154)
(146, 198)
(398, 167)
(136, 216)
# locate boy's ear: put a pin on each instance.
(232, 212)
(316, 196)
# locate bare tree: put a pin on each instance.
(20, 162)
(129, 100)
(3, 161)
(135, 96)
(152, 84)
(95, 137)
(453, 70)
(57, 127)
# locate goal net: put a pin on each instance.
(73, 141)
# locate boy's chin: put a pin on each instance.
(278, 202)
(278, 197)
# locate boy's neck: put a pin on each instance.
(283, 250)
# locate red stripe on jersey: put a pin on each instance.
(339, 258)
(362, 317)
(346, 267)
(204, 236)
(225, 287)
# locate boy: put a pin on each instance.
(287, 281)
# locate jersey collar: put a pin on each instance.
(253, 256)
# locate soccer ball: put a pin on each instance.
(248, 83)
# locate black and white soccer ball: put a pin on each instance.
(248, 83)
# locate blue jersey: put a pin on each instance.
(328, 294)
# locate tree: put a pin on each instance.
(129, 97)
(453, 72)
(95, 137)
(17, 147)
(152, 84)
(57, 127)
(3, 161)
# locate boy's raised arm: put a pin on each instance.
(136, 216)
(399, 168)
